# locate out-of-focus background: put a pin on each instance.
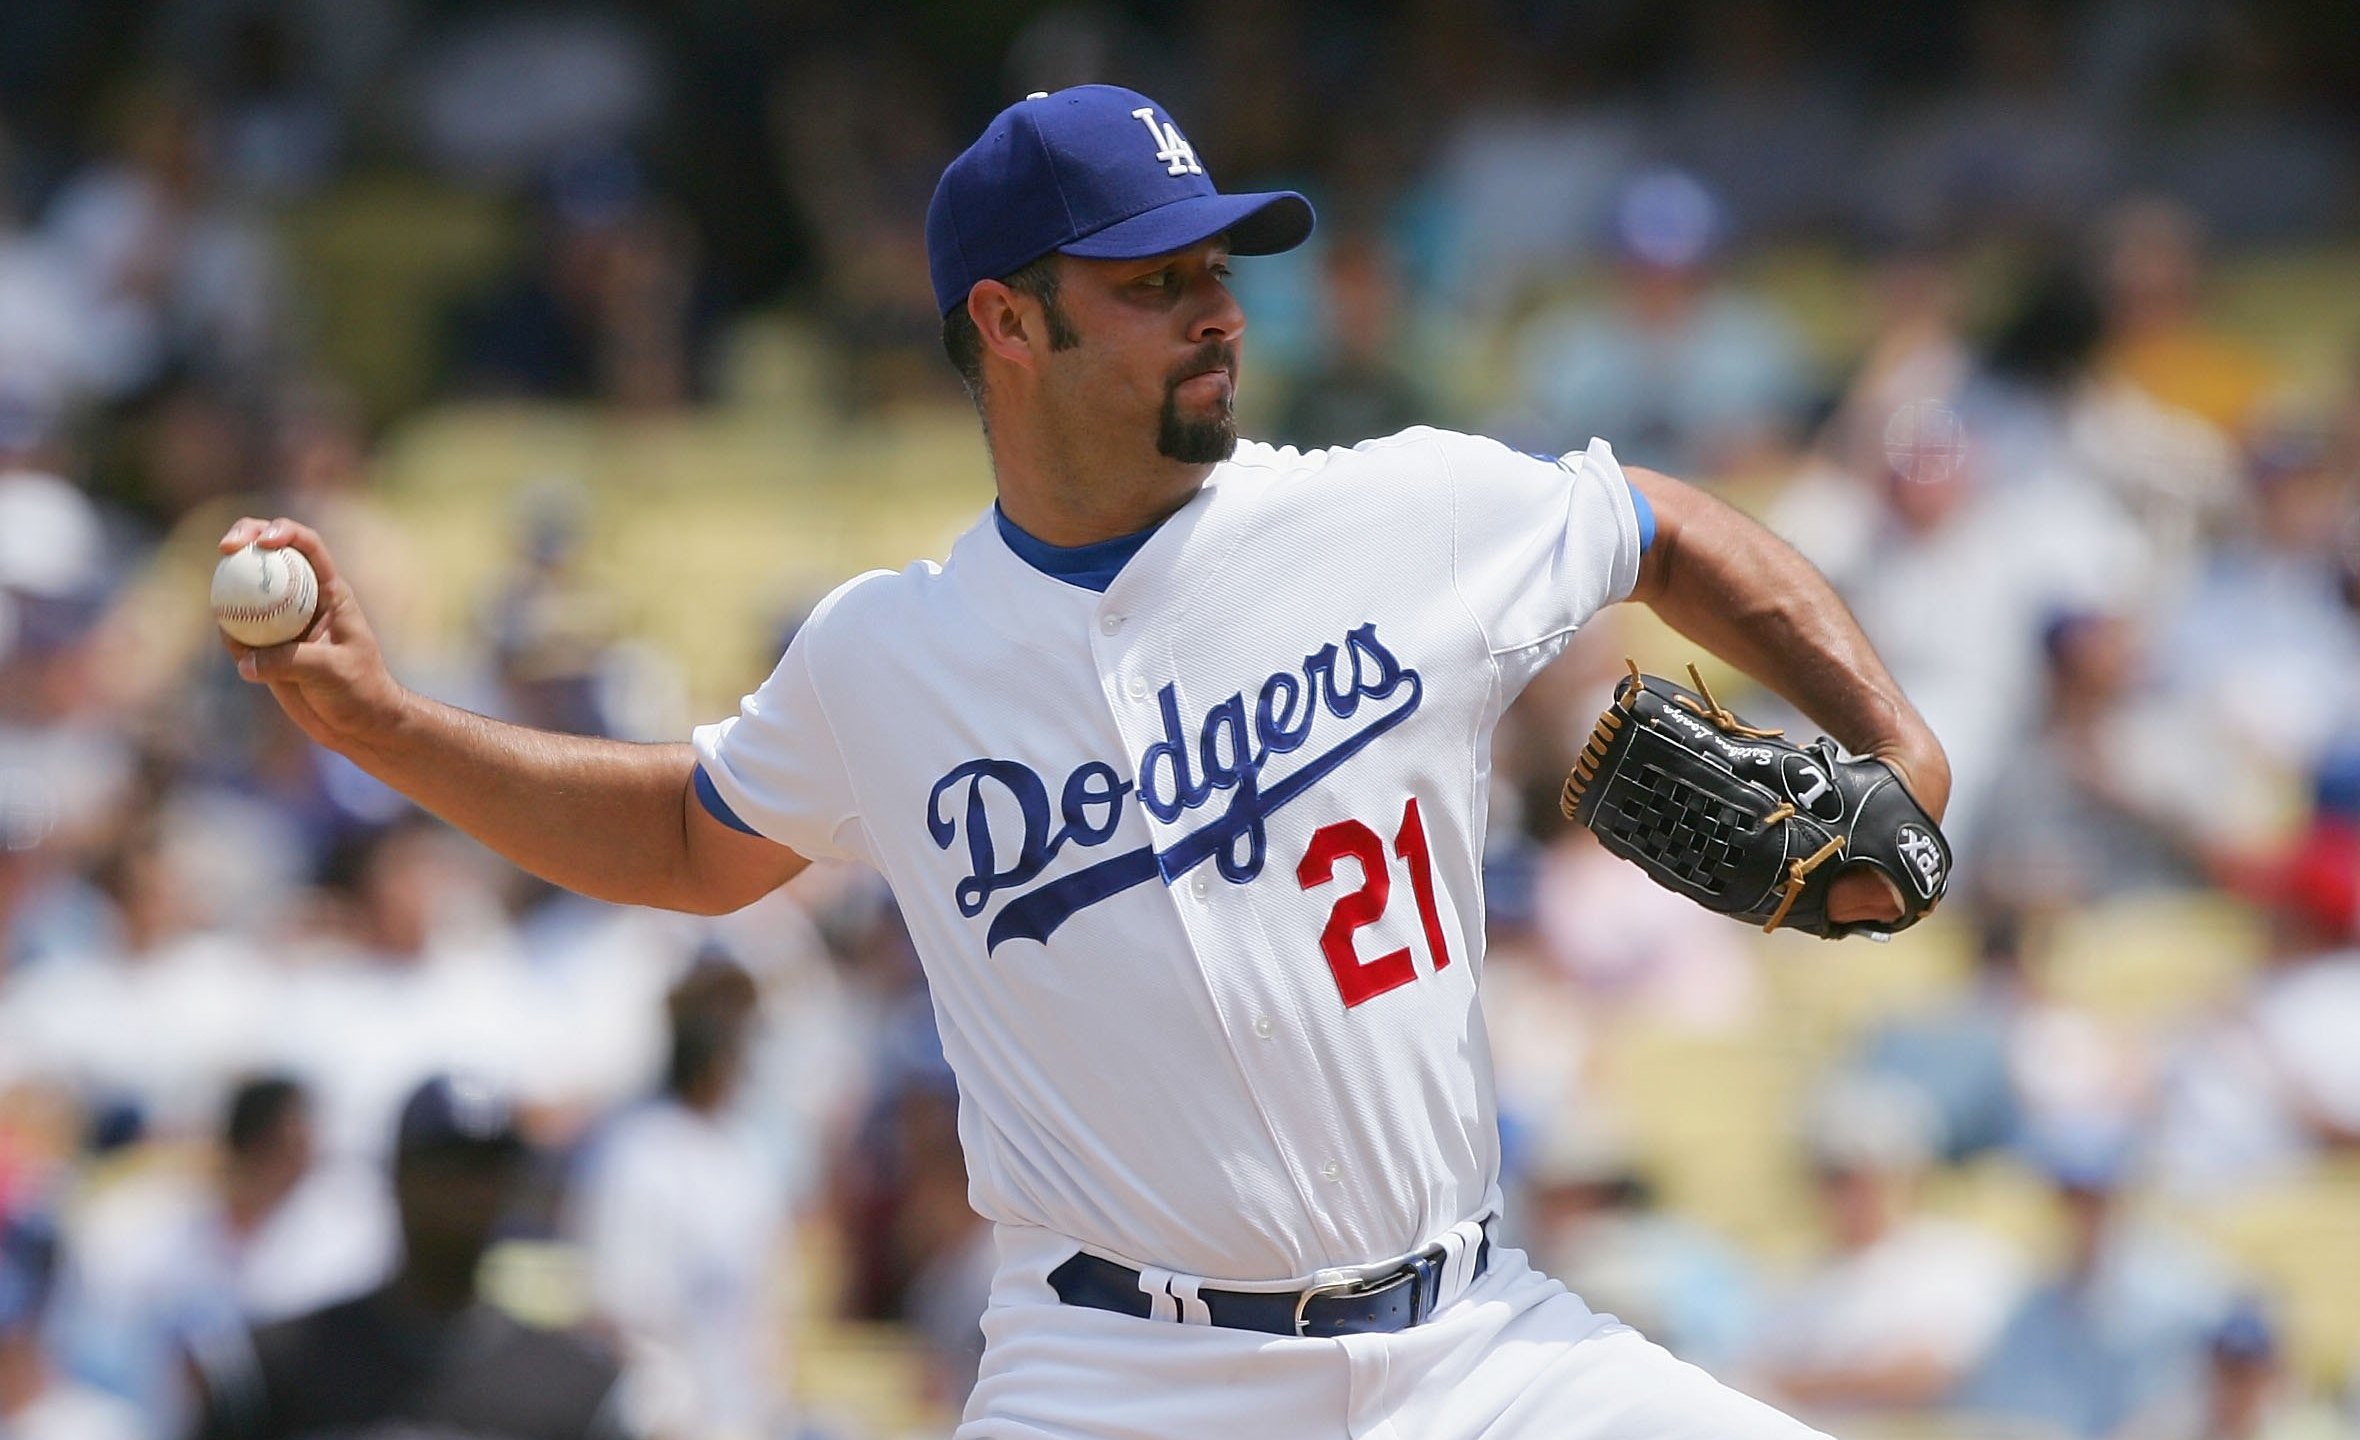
(597, 340)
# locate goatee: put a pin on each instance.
(1200, 441)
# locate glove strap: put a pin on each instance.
(1714, 710)
(1796, 874)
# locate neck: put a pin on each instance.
(1061, 490)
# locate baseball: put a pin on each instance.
(264, 597)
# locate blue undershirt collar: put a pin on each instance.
(1091, 567)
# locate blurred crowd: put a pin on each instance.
(285, 1065)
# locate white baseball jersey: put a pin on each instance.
(1192, 864)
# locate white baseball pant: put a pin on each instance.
(1518, 1357)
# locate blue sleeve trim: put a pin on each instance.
(718, 808)
(1646, 516)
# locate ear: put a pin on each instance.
(1011, 325)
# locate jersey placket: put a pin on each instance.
(1133, 660)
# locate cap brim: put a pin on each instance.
(1257, 224)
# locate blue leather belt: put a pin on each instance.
(1379, 1305)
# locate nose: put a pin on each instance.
(1220, 317)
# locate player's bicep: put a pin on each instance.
(730, 865)
(1670, 508)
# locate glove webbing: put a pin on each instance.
(1585, 769)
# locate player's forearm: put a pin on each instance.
(1732, 586)
(599, 817)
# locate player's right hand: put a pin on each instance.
(332, 681)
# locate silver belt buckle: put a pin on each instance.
(1357, 1287)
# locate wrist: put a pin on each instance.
(1924, 770)
(385, 726)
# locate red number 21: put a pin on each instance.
(1358, 979)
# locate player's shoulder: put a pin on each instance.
(870, 598)
(1413, 462)
(1402, 473)
(1418, 442)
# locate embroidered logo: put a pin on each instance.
(1223, 757)
(1178, 155)
(1924, 858)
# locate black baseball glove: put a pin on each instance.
(1740, 821)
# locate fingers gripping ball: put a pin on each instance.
(1740, 821)
(264, 597)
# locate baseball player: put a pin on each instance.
(1177, 765)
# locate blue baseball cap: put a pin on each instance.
(1096, 171)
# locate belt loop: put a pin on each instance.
(1453, 1270)
(1193, 1310)
(1156, 1284)
(1464, 1241)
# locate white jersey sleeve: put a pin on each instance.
(776, 768)
(1537, 545)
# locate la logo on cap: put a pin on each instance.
(1178, 155)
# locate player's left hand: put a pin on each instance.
(1862, 894)
(1745, 822)
(1865, 894)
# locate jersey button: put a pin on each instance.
(1262, 1026)
(1110, 624)
(1137, 687)
(1201, 886)
(1331, 1171)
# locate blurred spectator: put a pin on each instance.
(281, 130)
(2142, 483)
(423, 1353)
(2255, 1094)
(1522, 187)
(1950, 541)
(2111, 1343)
(1361, 386)
(1956, 1054)
(166, 1265)
(50, 337)
(1904, 1304)
(611, 306)
(1916, 356)
(160, 1012)
(560, 660)
(28, 881)
(413, 969)
(2156, 339)
(1677, 370)
(2090, 806)
(1595, 1224)
(2007, 1060)
(2271, 610)
(36, 1401)
(1542, 1030)
(1637, 952)
(2247, 1393)
(920, 1253)
(192, 441)
(181, 277)
(682, 1220)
